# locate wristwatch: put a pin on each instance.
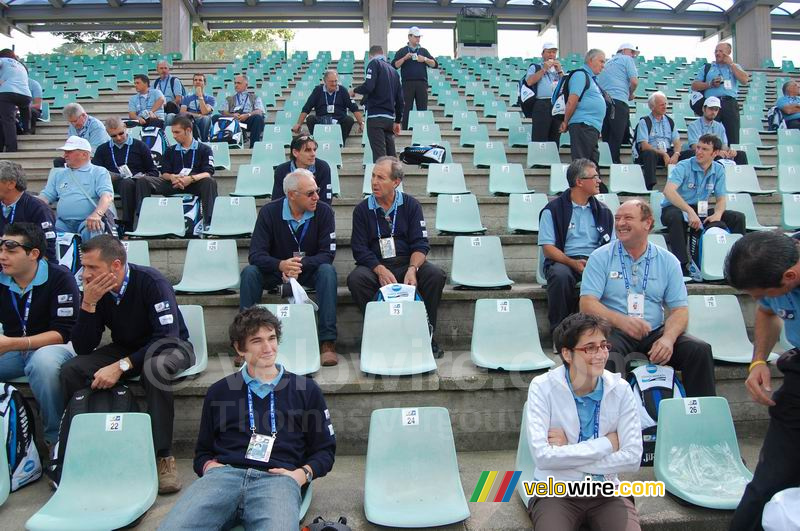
(309, 475)
(124, 365)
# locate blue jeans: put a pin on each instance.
(202, 125)
(76, 226)
(42, 367)
(253, 283)
(226, 496)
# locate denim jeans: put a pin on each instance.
(226, 496)
(42, 367)
(253, 282)
(202, 125)
(76, 226)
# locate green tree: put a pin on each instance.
(264, 36)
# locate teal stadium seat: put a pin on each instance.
(789, 178)
(196, 325)
(478, 263)
(488, 153)
(542, 154)
(507, 179)
(425, 134)
(743, 178)
(233, 216)
(753, 158)
(160, 216)
(268, 154)
(506, 120)
(138, 252)
(98, 489)
(790, 212)
(222, 155)
(446, 179)
(330, 152)
(627, 179)
(655, 206)
(278, 134)
(558, 179)
(464, 119)
(605, 155)
(330, 133)
(255, 180)
(610, 200)
(473, 134)
(299, 348)
(523, 212)
(519, 135)
(412, 476)
(458, 214)
(788, 154)
(505, 336)
(410, 351)
(744, 203)
(420, 118)
(749, 135)
(210, 265)
(788, 137)
(715, 249)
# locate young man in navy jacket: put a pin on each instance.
(303, 155)
(390, 243)
(20, 206)
(330, 102)
(413, 62)
(295, 237)
(265, 434)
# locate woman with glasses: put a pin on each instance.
(583, 425)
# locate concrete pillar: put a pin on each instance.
(752, 37)
(379, 23)
(571, 24)
(176, 25)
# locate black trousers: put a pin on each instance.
(157, 374)
(206, 189)
(729, 117)
(363, 284)
(132, 192)
(778, 467)
(345, 123)
(9, 103)
(154, 122)
(690, 355)
(562, 297)
(649, 161)
(584, 142)
(381, 137)
(672, 219)
(545, 126)
(414, 91)
(35, 115)
(793, 124)
(614, 130)
(739, 159)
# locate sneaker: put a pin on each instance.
(438, 352)
(168, 481)
(328, 357)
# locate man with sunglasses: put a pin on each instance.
(295, 237)
(303, 151)
(130, 164)
(20, 206)
(629, 282)
(39, 303)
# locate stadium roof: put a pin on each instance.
(703, 18)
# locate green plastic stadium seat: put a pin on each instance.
(255, 180)
(330, 133)
(488, 153)
(458, 214)
(729, 343)
(222, 155)
(505, 336)
(519, 135)
(744, 203)
(788, 155)
(505, 121)
(425, 134)
(507, 179)
(211, 265)
(473, 134)
(420, 118)
(412, 476)
(790, 211)
(5, 478)
(464, 119)
(788, 178)
(366, 188)
(299, 348)
(493, 108)
(410, 351)
(749, 135)
(478, 263)
(524, 462)
(196, 325)
(98, 490)
(788, 137)
(610, 200)
(565, 140)
(743, 178)
(655, 206)
(715, 249)
(540, 276)
(45, 117)
(62, 99)
(542, 154)
(160, 216)
(453, 106)
(446, 179)
(286, 117)
(627, 179)
(697, 454)
(523, 212)
(278, 134)
(138, 252)
(605, 155)
(748, 121)
(233, 216)
(268, 154)
(753, 158)
(330, 152)
(336, 188)
(658, 240)
(558, 179)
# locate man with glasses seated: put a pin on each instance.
(629, 282)
(303, 152)
(295, 237)
(245, 107)
(130, 164)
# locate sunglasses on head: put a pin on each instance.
(10, 245)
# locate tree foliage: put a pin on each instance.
(265, 36)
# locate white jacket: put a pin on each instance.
(552, 405)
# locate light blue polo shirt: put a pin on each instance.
(591, 109)
(582, 234)
(165, 86)
(93, 131)
(616, 76)
(786, 307)
(603, 279)
(700, 127)
(723, 71)
(259, 388)
(192, 102)
(13, 77)
(286, 214)
(73, 205)
(660, 134)
(788, 100)
(545, 86)
(36, 89)
(41, 276)
(144, 102)
(696, 185)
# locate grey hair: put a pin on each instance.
(578, 168)
(163, 62)
(591, 54)
(652, 99)
(113, 123)
(71, 110)
(396, 167)
(244, 76)
(291, 181)
(12, 172)
(330, 72)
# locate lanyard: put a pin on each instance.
(142, 105)
(118, 296)
(11, 214)
(271, 412)
(165, 86)
(625, 269)
(326, 97)
(193, 154)
(114, 159)
(240, 103)
(23, 320)
(394, 222)
(302, 234)
(596, 424)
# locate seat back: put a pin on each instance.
(478, 262)
(788, 154)
(196, 325)
(715, 249)
(410, 350)
(328, 133)
(138, 252)
(416, 118)
(519, 135)
(790, 211)
(627, 179)
(488, 153)
(222, 155)
(211, 265)
(605, 155)
(523, 212)
(425, 134)
(278, 134)
(464, 119)
(255, 180)
(744, 203)
(268, 154)
(610, 200)
(788, 178)
(330, 152)
(299, 348)
(507, 179)
(558, 179)
(729, 343)
(233, 216)
(542, 154)
(788, 137)
(753, 158)
(741, 178)
(458, 214)
(160, 216)
(655, 206)
(506, 120)
(473, 133)
(749, 135)
(446, 179)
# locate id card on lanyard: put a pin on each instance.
(11, 214)
(260, 446)
(118, 296)
(635, 300)
(388, 249)
(329, 104)
(187, 171)
(124, 171)
(23, 317)
(299, 242)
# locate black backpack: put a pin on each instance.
(16, 421)
(418, 155)
(320, 524)
(528, 92)
(649, 123)
(698, 99)
(118, 399)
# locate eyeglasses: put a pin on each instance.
(590, 177)
(312, 193)
(10, 245)
(115, 135)
(593, 349)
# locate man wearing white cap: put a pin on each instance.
(619, 79)
(413, 61)
(83, 191)
(545, 77)
(707, 125)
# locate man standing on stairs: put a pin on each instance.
(571, 226)
(172, 89)
(619, 79)
(545, 76)
(295, 237)
(413, 62)
(766, 265)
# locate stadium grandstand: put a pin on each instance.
(420, 441)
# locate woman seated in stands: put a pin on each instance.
(583, 424)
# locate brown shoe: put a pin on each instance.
(328, 356)
(168, 481)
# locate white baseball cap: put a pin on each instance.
(549, 46)
(712, 101)
(413, 30)
(628, 46)
(76, 143)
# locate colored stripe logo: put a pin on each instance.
(495, 486)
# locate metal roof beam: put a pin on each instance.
(57, 3)
(557, 7)
(500, 3)
(629, 5)
(683, 6)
